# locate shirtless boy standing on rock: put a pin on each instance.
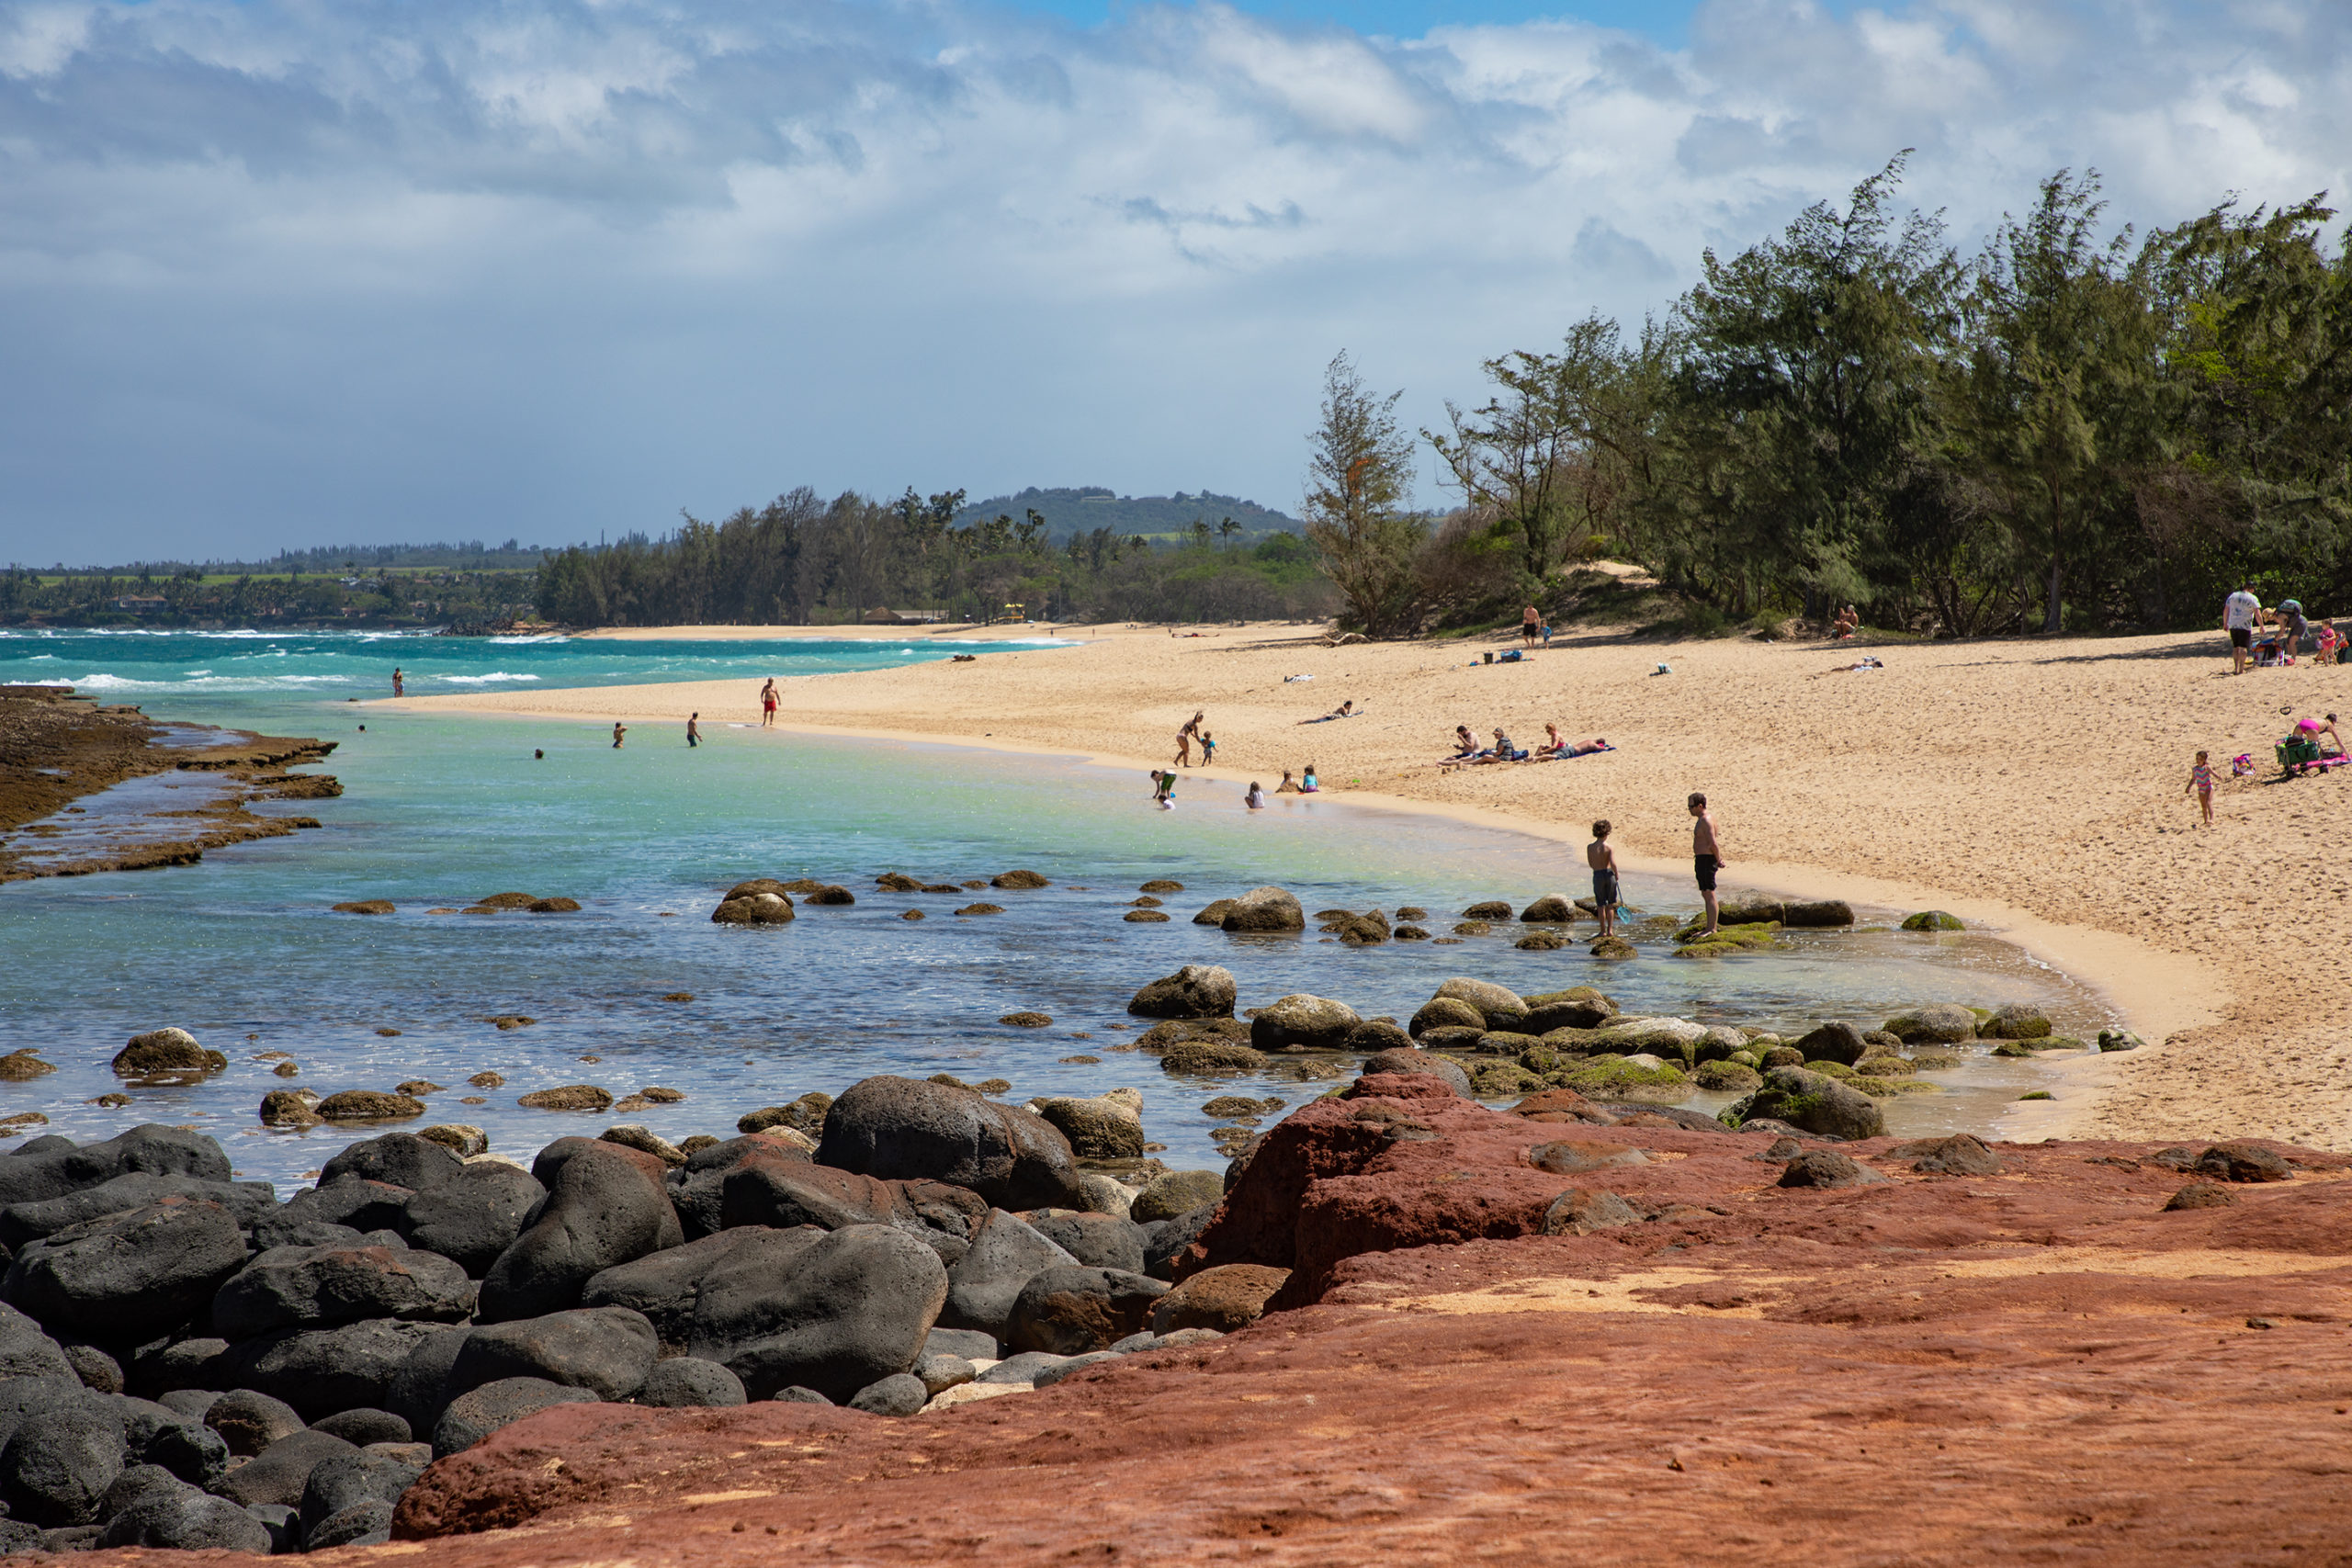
(1706, 856)
(1598, 855)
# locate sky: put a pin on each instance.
(277, 273)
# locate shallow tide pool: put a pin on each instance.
(244, 951)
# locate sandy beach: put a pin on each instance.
(2033, 787)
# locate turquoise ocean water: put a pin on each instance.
(441, 810)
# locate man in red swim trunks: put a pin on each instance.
(767, 704)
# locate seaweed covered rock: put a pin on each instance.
(1201, 1058)
(1446, 1012)
(165, 1051)
(1932, 920)
(1197, 990)
(1098, 1127)
(2015, 1020)
(1942, 1023)
(1812, 1102)
(1300, 1020)
(1265, 910)
(761, 908)
(1499, 1007)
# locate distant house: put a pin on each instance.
(143, 603)
(885, 616)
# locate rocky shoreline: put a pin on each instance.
(57, 747)
(427, 1345)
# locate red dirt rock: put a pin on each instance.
(2040, 1365)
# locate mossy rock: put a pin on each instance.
(1145, 918)
(1473, 928)
(1886, 1067)
(1727, 1076)
(1204, 1057)
(1026, 1020)
(1755, 934)
(1215, 914)
(1933, 920)
(1018, 879)
(1933, 1061)
(1613, 947)
(2039, 1094)
(1541, 942)
(1828, 1068)
(1630, 1078)
(1504, 1079)
(1540, 1058)
(1161, 885)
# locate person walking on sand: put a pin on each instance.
(2201, 781)
(694, 730)
(767, 704)
(619, 730)
(2240, 612)
(1530, 622)
(1184, 739)
(1603, 860)
(1706, 856)
(399, 687)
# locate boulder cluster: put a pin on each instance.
(187, 1361)
(1487, 1042)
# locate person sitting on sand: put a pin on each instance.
(1467, 743)
(1307, 785)
(1289, 785)
(1345, 710)
(1553, 745)
(1845, 625)
(1256, 799)
(1502, 750)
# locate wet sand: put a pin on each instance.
(2031, 786)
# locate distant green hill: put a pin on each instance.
(1087, 507)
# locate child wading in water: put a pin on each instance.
(1603, 860)
(2200, 780)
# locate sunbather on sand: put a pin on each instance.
(1502, 750)
(1345, 710)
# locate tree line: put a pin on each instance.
(801, 559)
(2067, 430)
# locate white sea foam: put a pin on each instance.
(484, 680)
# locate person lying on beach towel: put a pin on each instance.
(1573, 749)
(1345, 710)
(1867, 661)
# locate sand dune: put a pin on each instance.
(2030, 785)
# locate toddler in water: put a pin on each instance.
(2200, 780)
(1256, 799)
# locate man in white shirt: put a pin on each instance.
(2240, 613)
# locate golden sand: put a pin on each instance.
(2033, 787)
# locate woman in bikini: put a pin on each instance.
(1184, 739)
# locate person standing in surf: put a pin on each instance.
(694, 730)
(399, 687)
(1602, 859)
(619, 730)
(1706, 856)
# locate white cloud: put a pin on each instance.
(279, 270)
